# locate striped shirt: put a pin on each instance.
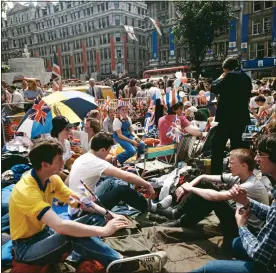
(262, 248)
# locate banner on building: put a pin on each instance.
(232, 33)
(154, 45)
(157, 26)
(244, 38)
(172, 53)
(131, 33)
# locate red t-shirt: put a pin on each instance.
(165, 123)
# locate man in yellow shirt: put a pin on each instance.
(39, 235)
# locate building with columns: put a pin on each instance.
(251, 37)
(88, 36)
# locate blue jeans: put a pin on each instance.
(130, 150)
(233, 266)
(47, 247)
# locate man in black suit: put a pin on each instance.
(234, 89)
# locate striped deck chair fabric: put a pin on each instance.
(185, 148)
(156, 152)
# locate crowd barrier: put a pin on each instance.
(137, 110)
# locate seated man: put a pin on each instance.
(259, 250)
(242, 165)
(89, 168)
(39, 236)
(91, 127)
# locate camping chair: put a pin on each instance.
(167, 151)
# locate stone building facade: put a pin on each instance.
(251, 37)
(88, 36)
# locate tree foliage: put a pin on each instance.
(196, 28)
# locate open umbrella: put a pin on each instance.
(72, 104)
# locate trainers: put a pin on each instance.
(146, 263)
(165, 203)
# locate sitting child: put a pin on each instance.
(125, 136)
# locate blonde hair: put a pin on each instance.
(245, 156)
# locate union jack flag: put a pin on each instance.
(157, 26)
(140, 104)
(131, 33)
(39, 111)
(174, 131)
(56, 75)
(106, 104)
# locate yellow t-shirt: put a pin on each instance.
(29, 202)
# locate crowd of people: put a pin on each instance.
(64, 169)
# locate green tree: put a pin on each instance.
(196, 27)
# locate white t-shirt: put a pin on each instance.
(67, 150)
(17, 98)
(117, 124)
(89, 169)
(255, 190)
(252, 103)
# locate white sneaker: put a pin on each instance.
(165, 203)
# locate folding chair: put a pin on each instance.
(157, 165)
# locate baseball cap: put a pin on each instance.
(61, 122)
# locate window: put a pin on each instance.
(106, 5)
(269, 48)
(88, 11)
(139, 10)
(100, 23)
(107, 21)
(125, 20)
(117, 20)
(268, 4)
(118, 37)
(116, 4)
(119, 53)
(260, 50)
(256, 6)
(99, 8)
(256, 27)
(128, 7)
(102, 7)
(267, 25)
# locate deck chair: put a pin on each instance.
(185, 148)
(169, 152)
